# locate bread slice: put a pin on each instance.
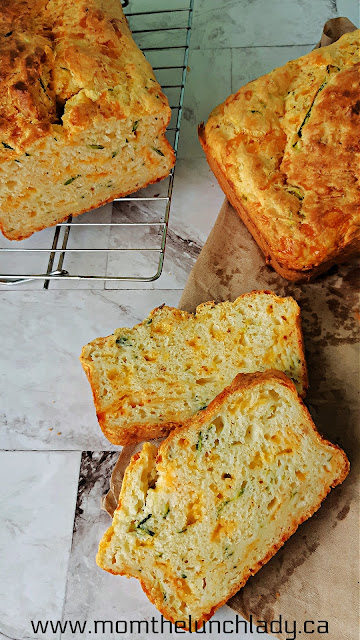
(201, 514)
(272, 146)
(151, 378)
(82, 117)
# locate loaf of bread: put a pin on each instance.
(285, 150)
(201, 514)
(149, 379)
(82, 117)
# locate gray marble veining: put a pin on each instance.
(196, 200)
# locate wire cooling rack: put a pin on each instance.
(123, 241)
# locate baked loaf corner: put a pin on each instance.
(201, 514)
(283, 151)
(149, 379)
(82, 117)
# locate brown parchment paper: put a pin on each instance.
(315, 575)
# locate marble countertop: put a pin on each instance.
(54, 461)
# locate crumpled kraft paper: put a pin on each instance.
(314, 577)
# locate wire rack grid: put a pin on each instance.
(164, 36)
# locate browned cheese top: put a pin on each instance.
(289, 144)
(66, 62)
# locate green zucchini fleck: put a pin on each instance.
(123, 340)
(7, 146)
(6, 35)
(307, 116)
(71, 179)
(149, 321)
(295, 191)
(27, 154)
(114, 153)
(255, 111)
(96, 146)
(222, 506)
(204, 406)
(166, 512)
(64, 68)
(42, 85)
(145, 529)
(240, 493)
(203, 436)
(183, 575)
(183, 530)
(135, 125)
(293, 494)
(158, 151)
(18, 161)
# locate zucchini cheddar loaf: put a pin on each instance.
(149, 379)
(82, 118)
(203, 512)
(285, 149)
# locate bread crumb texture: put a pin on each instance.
(285, 149)
(200, 515)
(149, 379)
(82, 117)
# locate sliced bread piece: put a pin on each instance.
(151, 378)
(201, 514)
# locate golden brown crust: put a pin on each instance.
(293, 275)
(241, 381)
(272, 147)
(70, 70)
(50, 52)
(138, 432)
(26, 97)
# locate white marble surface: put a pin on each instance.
(46, 399)
(37, 504)
(45, 402)
(208, 84)
(252, 23)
